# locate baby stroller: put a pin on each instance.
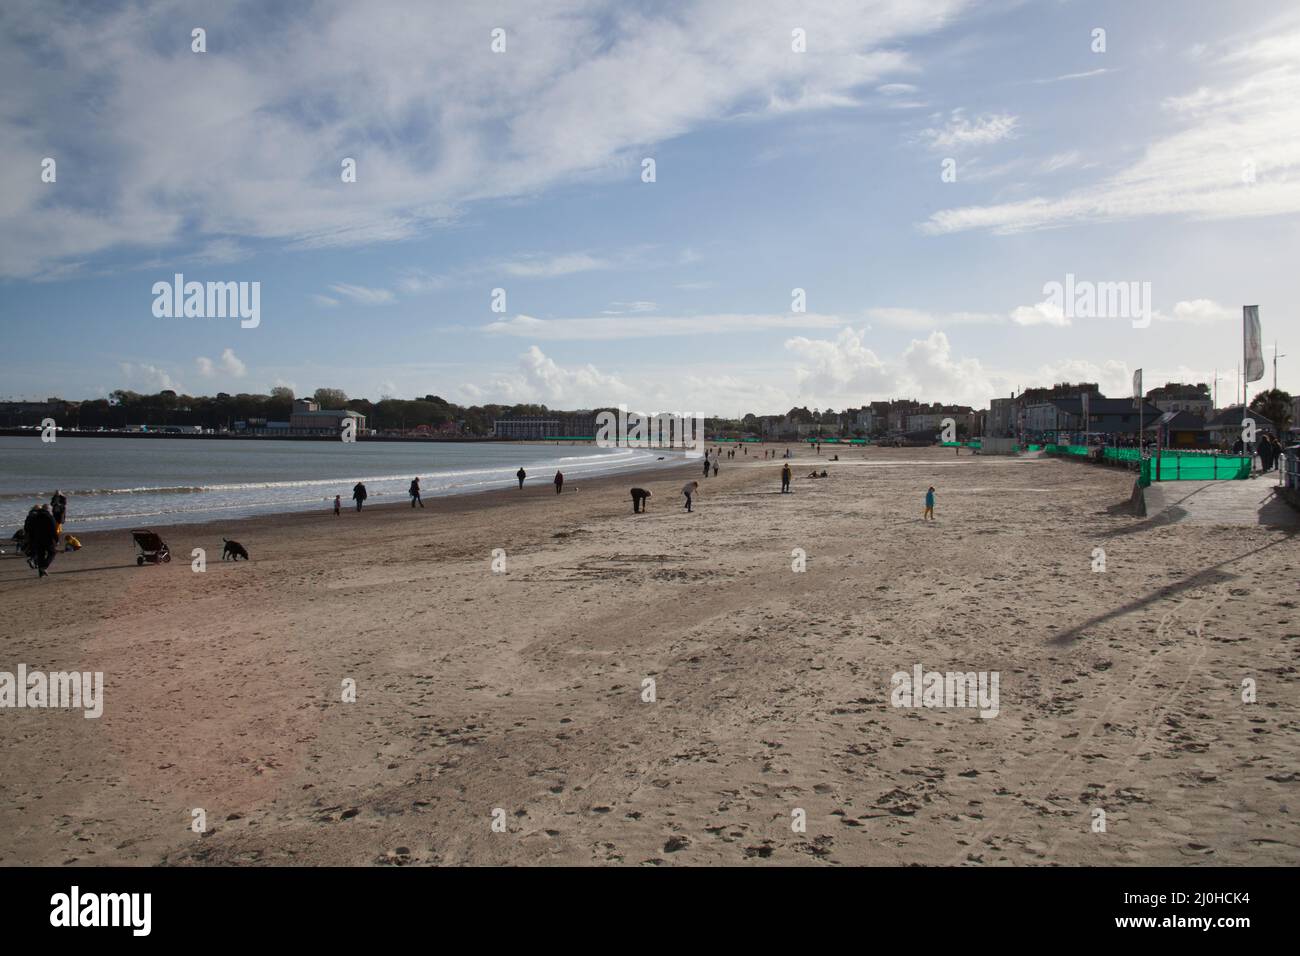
(152, 548)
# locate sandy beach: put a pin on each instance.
(522, 691)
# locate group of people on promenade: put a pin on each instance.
(1269, 450)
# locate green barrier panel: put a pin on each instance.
(1174, 466)
(1171, 465)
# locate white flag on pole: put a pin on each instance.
(1137, 388)
(1254, 343)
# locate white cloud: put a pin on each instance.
(1044, 313)
(151, 376)
(1199, 312)
(429, 133)
(540, 379)
(1235, 155)
(933, 370)
(830, 369)
(959, 132)
(844, 371)
(228, 364)
(325, 300)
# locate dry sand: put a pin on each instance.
(523, 691)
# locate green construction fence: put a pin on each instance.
(1168, 465)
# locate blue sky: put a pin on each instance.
(1170, 158)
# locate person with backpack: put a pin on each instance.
(40, 538)
(359, 494)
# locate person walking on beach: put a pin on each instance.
(39, 538)
(929, 505)
(359, 494)
(521, 475)
(785, 478)
(59, 509)
(414, 492)
(715, 468)
(639, 495)
(559, 482)
(338, 504)
(706, 464)
(689, 490)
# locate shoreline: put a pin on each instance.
(467, 502)
(225, 503)
(35, 432)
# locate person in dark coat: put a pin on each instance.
(639, 495)
(559, 482)
(359, 494)
(414, 492)
(40, 538)
(521, 475)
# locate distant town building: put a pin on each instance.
(1177, 397)
(542, 427)
(1107, 416)
(1001, 420)
(308, 418)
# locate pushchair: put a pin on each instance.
(152, 548)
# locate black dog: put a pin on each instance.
(233, 550)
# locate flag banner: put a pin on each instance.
(1137, 388)
(1086, 417)
(1254, 343)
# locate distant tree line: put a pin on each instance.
(124, 407)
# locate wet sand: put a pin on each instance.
(522, 692)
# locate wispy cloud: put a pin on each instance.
(1235, 155)
(959, 131)
(546, 267)
(625, 308)
(430, 134)
(362, 295)
(1100, 71)
(605, 328)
